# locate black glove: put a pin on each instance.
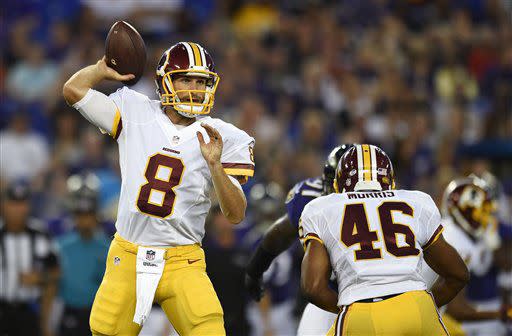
(259, 263)
(254, 286)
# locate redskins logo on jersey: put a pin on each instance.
(186, 59)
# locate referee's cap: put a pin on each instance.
(18, 191)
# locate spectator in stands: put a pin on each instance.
(23, 153)
(34, 77)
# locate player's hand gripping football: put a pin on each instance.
(254, 287)
(108, 73)
(212, 150)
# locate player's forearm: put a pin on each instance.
(475, 315)
(77, 86)
(445, 290)
(461, 310)
(231, 199)
(321, 296)
(468, 313)
(280, 236)
(453, 272)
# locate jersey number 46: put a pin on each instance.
(356, 230)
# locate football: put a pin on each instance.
(125, 51)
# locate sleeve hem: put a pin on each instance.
(311, 236)
(241, 172)
(243, 169)
(117, 126)
(435, 236)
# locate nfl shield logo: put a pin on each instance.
(175, 140)
(150, 255)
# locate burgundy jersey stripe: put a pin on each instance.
(237, 166)
(431, 240)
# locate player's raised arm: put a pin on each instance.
(231, 197)
(453, 273)
(95, 106)
(84, 79)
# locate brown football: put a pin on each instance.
(125, 51)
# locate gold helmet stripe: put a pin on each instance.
(367, 163)
(197, 54)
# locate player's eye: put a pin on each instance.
(201, 82)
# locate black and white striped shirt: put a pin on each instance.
(23, 252)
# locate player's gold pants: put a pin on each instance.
(453, 326)
(412, 313)
(185, 293)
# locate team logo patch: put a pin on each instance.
(150, 255)
(117, 261)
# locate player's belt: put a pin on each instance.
(377, 299)
(169, 251)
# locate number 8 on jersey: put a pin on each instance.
(163, 173)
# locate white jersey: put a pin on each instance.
(374, 239)
(165, 180)
(476, 255)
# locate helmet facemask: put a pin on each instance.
(188, 107)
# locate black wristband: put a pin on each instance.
(260, 262)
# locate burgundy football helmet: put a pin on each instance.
(469, 203)
(364, 167)
(186, 59)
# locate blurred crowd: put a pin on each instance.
(430, 82)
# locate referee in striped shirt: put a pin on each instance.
(28, 268)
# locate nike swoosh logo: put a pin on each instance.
(191, 261)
